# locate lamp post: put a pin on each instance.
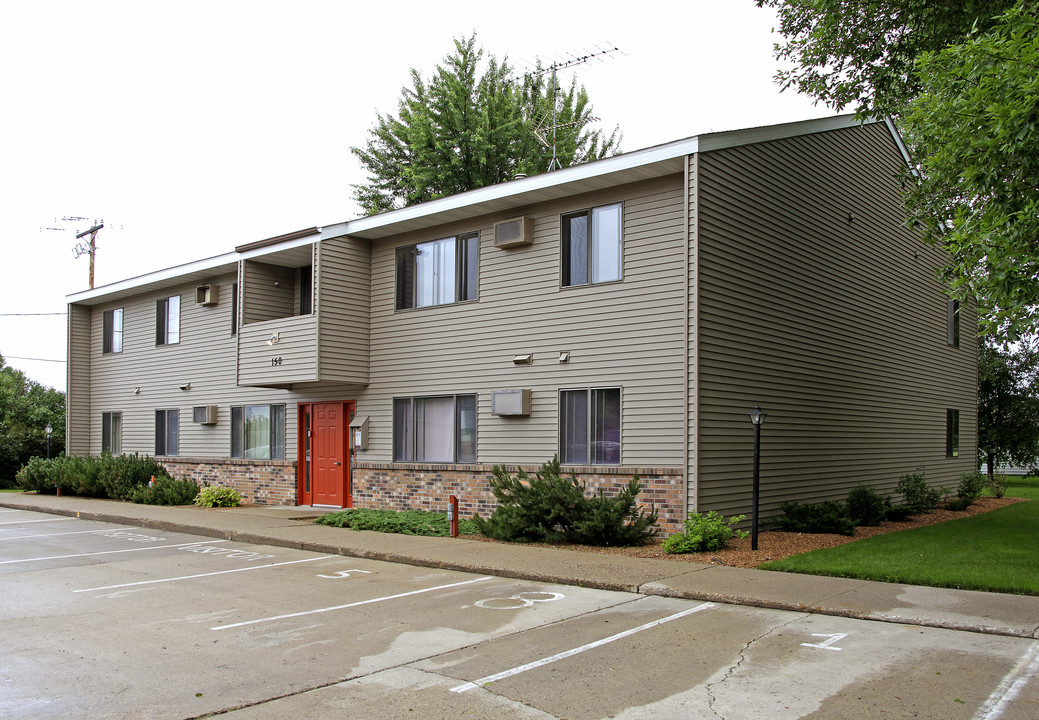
(48, 430)
(757, 417)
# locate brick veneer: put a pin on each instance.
(261, 482)
(427, 487)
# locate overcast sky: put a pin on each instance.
(193, 127)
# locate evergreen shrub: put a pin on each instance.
(552, 508)
(825, 517)
(37, 475)
(917, 496)
(121, 475)
(866, 506)
(166, 491)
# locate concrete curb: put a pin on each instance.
(964, 610)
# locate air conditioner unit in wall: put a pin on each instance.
(204, 414)
(206, 295)
(514, 232)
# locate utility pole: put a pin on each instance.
(91, 249)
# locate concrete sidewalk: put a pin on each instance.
(993, 613)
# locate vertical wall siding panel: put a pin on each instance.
(345, 300)
(627, 334)
(77, 397)
(816, 302)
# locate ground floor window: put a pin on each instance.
(112, 432)
(258, 432)
(590, 426)
(952, 433)
(435, 429)
(167, 432)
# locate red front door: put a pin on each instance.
(324, 454)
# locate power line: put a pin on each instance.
(16, 357)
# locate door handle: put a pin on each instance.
(337, 463)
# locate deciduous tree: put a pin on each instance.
(1008, 405)
(26, 408)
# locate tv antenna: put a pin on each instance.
(547, 134)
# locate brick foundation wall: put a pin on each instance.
(261, 482)
(427, 486)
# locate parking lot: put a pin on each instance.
(112, 621)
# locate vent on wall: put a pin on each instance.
(204, 414)
(206, 295)
(514, 233)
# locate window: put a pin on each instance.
(167, 425)
(438, 272)
(112, 331)
(592, 245)
(167, 320)
(953, 324)
(952, 433)
(258, 432)
(306, 290)
(435, 429)
(590, 426)
(112, 432)
(234, 308)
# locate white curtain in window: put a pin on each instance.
(173, 320)
(606, 243)
(435, 273)
(257, 431)
(434, 429)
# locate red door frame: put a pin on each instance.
(304, 410)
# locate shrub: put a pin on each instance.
(551, 508)
(958, 504)
(218, 496)
(825, 517)
(79, 475)
(38, 475)
(998, 485)
(866, 506)
(407, 522)
(166, 491)
(122, 474)
(917, 496)
(704, 533)
(970, 487)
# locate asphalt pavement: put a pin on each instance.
(984, 612)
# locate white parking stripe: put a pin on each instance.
(349, 605)
(570, 653)
(109, 552)
(191, 577)
(74, 532)
(1012, 683)
(26, 522)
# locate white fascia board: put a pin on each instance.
(287, 245)
(576, 173)
(208, 264)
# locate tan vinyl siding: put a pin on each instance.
(292, 359)
(816, 302)
(262, 298)
(692, 334)
(344, 308)
(628, 334)
(77, 397)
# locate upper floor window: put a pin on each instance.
(112, 432)
(258, 432)
(592, 245)
(167, 320)
(953, 323)
(234, 308)
(590, 426)
(167, 432)
(952, 433)
(437, 272)
(112, 331)
(435, 429)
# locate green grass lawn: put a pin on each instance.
(997, 551)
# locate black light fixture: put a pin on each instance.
(49, 429)
(757, 417)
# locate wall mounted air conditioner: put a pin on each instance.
(511, 402)
(204, 414)
(206, 295)
(514, 233)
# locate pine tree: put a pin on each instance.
(462, 130)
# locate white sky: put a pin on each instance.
(192, 127)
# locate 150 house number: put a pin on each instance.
(275, 361)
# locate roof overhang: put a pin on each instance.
(197, 271)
